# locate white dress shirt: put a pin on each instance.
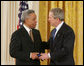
(57, 29)
(27, 29)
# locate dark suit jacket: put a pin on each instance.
(21, 45)
(61, 49)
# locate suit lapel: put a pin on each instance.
(26, 35)
(59, 33)
(33, 32)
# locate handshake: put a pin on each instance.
(39, 56)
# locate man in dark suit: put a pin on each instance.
(25, 42)
(61, 41)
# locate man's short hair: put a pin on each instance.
(58, 13)
(25, 14)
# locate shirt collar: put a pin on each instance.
(59, 26)
(27, 29)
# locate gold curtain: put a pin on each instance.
(73, 17)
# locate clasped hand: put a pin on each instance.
(42, 56)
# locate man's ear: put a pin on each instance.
(58, 19)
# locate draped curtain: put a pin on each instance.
(9, 22)
(73, 17)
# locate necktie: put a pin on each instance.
(53, 33)
(31, 35)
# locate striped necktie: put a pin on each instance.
(31, 35)
(53, 33)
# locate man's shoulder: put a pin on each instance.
(35, 30)
(68, 29)
(17, 32)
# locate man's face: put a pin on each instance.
(53, 22)
(31, 21)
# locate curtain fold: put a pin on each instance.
(9, 21)
(73, 17)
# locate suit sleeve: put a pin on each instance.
(41, 50)
(43, 45)
(46, 45)
(66, 47)
(16, 50)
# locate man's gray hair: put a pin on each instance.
(25, 14)
(58, 13)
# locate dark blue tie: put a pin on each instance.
(53, 33)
